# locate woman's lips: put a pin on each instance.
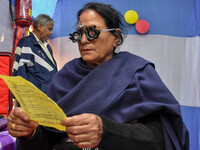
(86, 50)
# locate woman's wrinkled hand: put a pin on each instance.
(85, 130)
(19, 124)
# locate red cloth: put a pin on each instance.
(4, 94)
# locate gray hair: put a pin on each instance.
(42, 19)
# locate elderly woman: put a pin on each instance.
(114, 101)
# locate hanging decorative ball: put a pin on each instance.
(131, 17)
(142, 26)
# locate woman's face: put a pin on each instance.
(99, 50)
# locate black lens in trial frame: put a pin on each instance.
(90, 32)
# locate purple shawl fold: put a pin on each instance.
(124, 88)
(7, 142)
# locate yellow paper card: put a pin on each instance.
(35, 103)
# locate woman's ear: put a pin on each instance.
(117, 37)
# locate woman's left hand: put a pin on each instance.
(85, 130)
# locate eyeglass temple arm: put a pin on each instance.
(108, 30)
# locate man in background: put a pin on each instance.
(34, 57)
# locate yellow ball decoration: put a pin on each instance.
(131, 17)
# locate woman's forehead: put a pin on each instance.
(91, 18)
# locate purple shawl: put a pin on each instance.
(124, 88)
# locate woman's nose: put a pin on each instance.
(84, 38)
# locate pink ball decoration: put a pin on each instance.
(142, 26)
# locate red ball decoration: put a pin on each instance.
(142, 26)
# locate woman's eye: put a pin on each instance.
(92, 33)
(76, 36)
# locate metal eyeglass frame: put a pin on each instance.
(76, 36)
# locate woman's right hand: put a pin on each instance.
(19, 124)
